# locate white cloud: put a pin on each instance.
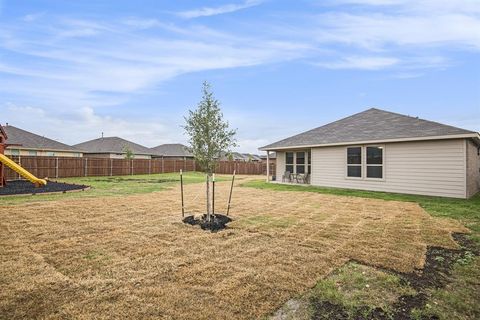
(364, 63)
(251, 145)
(118, 59)
(81, 124)
(33, 16)
(378, 31)
(213, 11)
(469, 6)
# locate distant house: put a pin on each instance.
(251, 157)
(232, 156)
(26, 143)
(113, 147)
(383, 151)
(172, 151)
(272, 156)
(237, 156)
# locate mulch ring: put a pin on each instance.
(436, 273)
(25, 187)
(217, 222)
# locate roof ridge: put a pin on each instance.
(421, 119)
(372, 124)
(326, 124)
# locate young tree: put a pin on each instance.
(128, 153)
(209, 135)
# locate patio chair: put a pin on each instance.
(302, 178)
(287, 176)
(306, 178)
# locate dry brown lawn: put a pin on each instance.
(131, 257)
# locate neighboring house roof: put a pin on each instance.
(272, 155)
(29, 140)
(172, 150)
(239, 156)
(3, 133)
(253, 157)
(235, 156)
(372, 125)
(112, 145)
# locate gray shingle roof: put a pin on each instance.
(370, 125)
(34, 141)
(235, 156)
(112, 145)
(171, 150)
(273, 155)
(251, 156)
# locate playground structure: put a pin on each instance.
(5, 161)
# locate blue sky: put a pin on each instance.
(70, 70)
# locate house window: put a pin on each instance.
(289, 162)
(375, 162)
(309, 162)
(32, 153)
(15, 152)
(354, 162)
(50, 154)
(300, 162)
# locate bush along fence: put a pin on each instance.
(63, 167)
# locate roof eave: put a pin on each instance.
(474, 135)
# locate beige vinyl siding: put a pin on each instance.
(473, 169)
(280, 165)
(428, 167)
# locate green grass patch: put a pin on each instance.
(460, 298)
(361, 289)
(115, 186)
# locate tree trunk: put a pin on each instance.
(208, 197)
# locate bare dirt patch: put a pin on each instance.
(133, 257)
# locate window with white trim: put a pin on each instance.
(289, 156)
(309, 163)
(300, 164)
(354, 162)
(374, 162)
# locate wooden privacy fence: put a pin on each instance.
(63, 167)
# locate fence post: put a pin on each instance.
(56, 167)
(174, 165)
(163, 166)
(86, 166)
(194, 165)
(131, 171)
(20, 164)
(184, 164)
(111, 167)
(150, 166)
